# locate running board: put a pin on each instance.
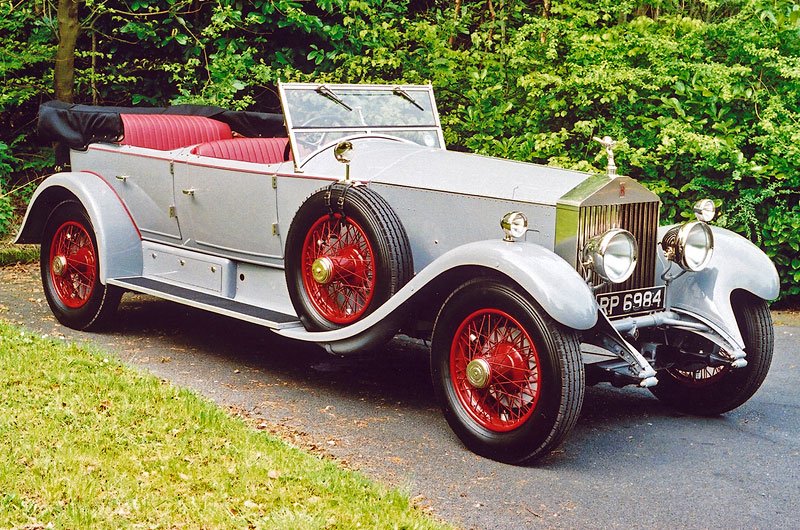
(215, 304)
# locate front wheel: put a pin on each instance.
(508, 377)
(708, 391)
(70, 270)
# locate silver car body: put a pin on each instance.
(216, 227)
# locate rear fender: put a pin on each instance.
(119, 242)
(736, 264)
(547, 278)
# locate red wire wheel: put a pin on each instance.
(702, 377)
(508, 377)
(338, 267)
(73, 268)
(347, 253)
(494, 366)
(70, 268)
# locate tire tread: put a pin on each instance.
(572, 391)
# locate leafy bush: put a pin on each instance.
(703, 97)
(6, 213)
(6, 209)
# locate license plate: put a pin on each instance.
(633, 302)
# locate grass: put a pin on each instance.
(86, 442)
(11, 254)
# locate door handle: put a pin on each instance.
(189, 192)
(123, 178)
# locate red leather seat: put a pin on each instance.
(258, 150)
(168, 131)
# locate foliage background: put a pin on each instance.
(704, 96)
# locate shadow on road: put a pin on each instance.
(399, 373)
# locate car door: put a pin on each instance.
(144, 183)
(229, 208)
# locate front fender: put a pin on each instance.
(118, 240)
(736, 264)
(556, 286)
(547, 277)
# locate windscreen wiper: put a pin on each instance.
(328, 93)
(398, 91)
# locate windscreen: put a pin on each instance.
(319, 115)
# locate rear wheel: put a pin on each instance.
(70, 270)
(708, 391)
(508, 377)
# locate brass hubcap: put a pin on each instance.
(478, 373)
(322, 270)
(59, 265)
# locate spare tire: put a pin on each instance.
(346, 254)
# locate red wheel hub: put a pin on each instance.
(494, 367)
(338, 267)
(73, 264)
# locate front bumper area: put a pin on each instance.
(629, 359)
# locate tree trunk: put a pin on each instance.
(64, 70)
(545, 15)
(456, 15)
(95, 92)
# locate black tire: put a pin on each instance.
(724, 388)
(529, 420)
(354, 226)
(70, 270)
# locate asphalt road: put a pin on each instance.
(630, 462)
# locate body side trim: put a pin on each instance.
(133, 221)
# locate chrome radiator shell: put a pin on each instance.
(599, 204)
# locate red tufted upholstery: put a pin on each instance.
(168, 131)
(258, 150)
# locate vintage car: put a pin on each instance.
(346, 221)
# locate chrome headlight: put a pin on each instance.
(514, 224)
(704, 210)
(612, 255)
(690, 245)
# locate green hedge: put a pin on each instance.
(704, 97)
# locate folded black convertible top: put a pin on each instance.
(76, 126)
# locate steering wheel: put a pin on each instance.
(316, 139)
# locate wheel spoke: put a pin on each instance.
(77, 274)
(347, 295)
(513, 388)
(86, 277)
(702, 377)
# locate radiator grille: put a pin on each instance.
(641, 220)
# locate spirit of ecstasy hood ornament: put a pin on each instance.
(609, 144)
